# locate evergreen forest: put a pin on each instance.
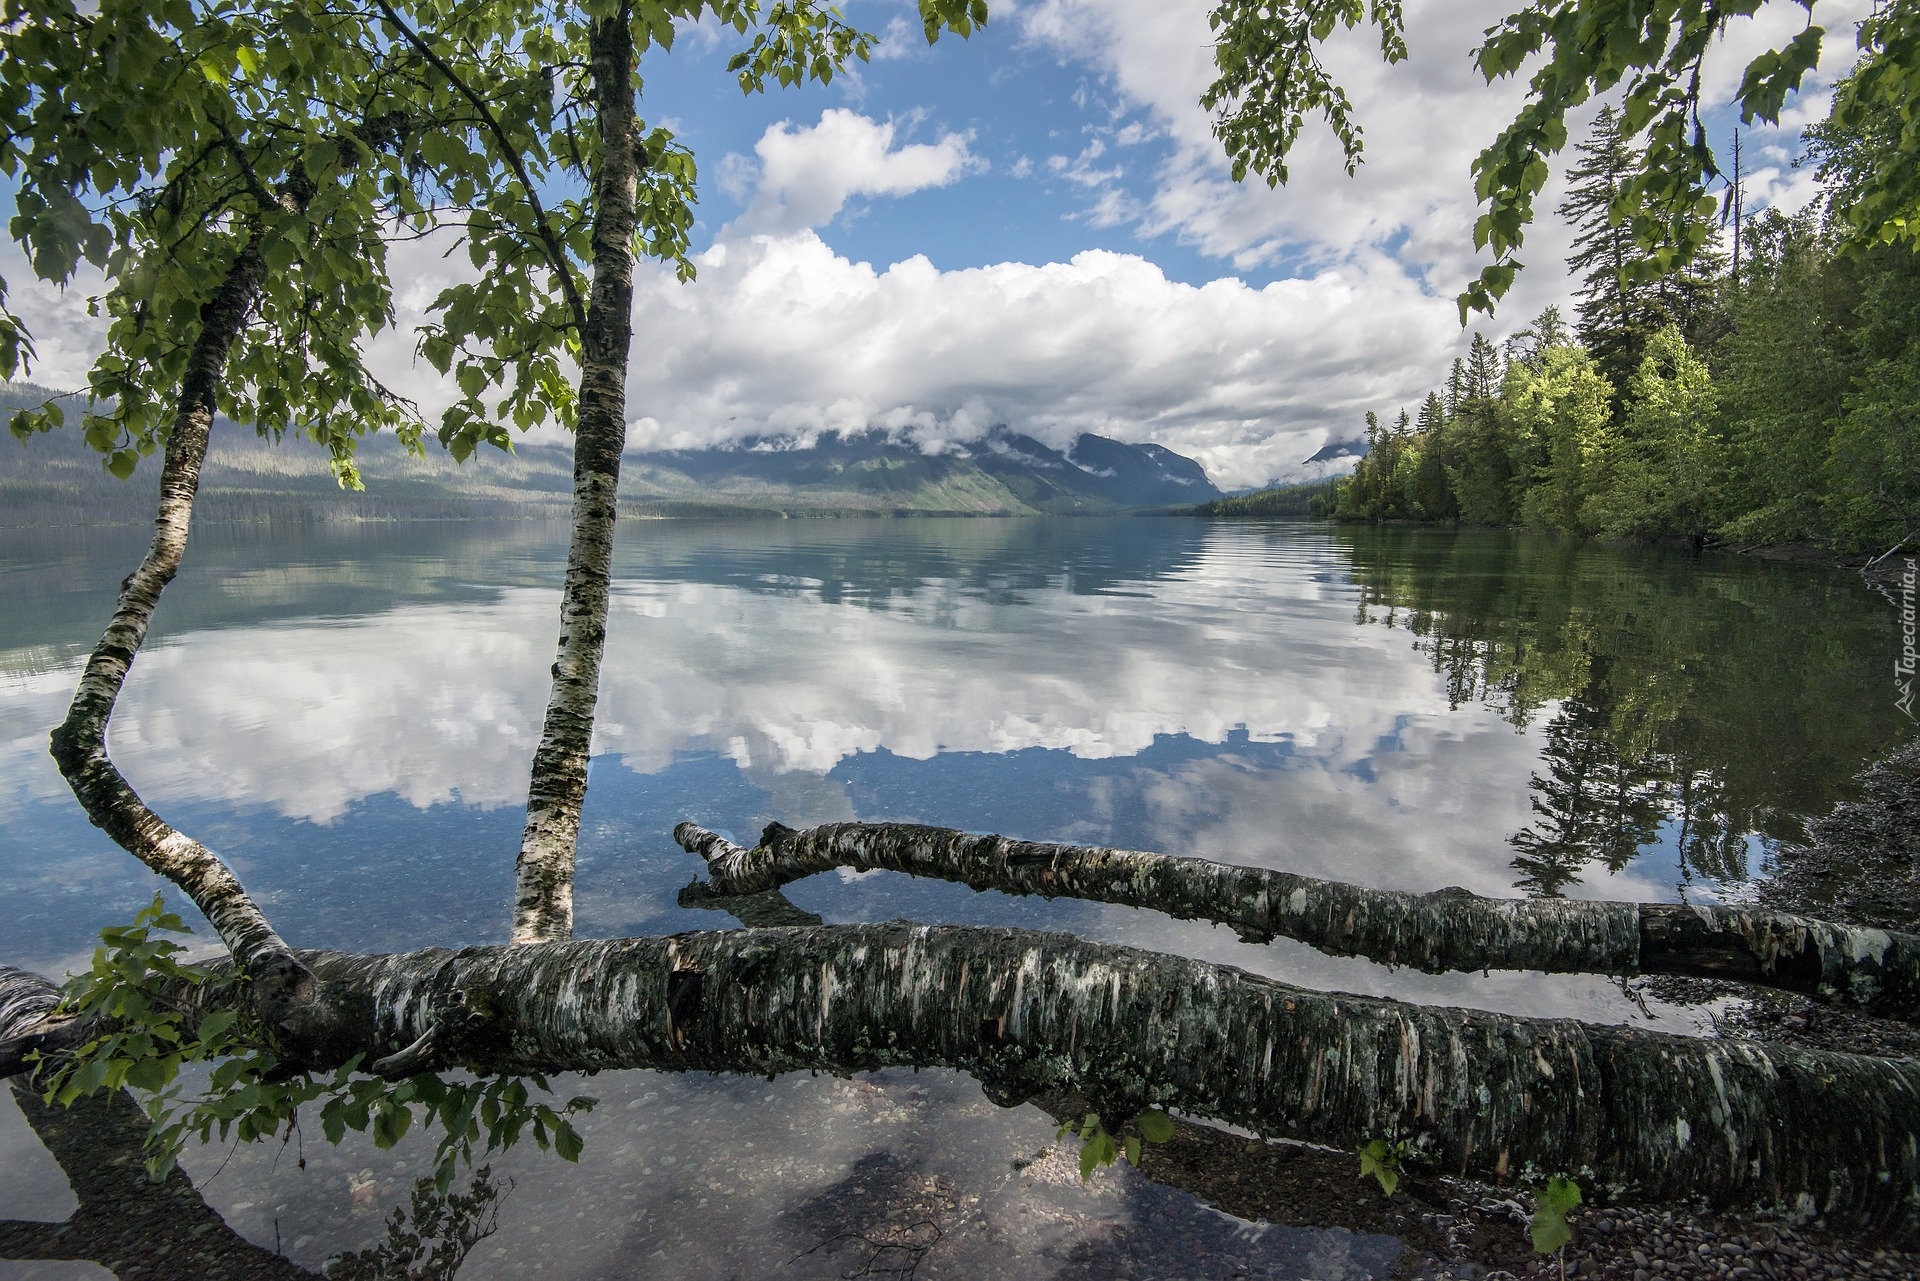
(1764, 394)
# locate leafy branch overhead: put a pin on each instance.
(172, 149)
(1271, 76)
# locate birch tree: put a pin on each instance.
(556, 287)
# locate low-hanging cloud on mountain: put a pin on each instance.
(781, 335)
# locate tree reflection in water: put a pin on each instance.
(1678, 706)
(135, 1227)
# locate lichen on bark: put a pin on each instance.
(1485, 1094)
(1446, 930)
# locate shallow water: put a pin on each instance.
(347, 715)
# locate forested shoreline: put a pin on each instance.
(1763, 395)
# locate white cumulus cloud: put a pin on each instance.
(806, 175)
(782, 334)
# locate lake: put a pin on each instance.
(347, 714)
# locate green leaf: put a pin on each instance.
(1091, 1153)
(1549, 1228)
(390, 1123)
(1381, 1160)
(567, 1141)
(150, 1075)
(215, 1025)
(1155, 1126)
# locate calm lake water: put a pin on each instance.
(348, 716)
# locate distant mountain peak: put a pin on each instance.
(1003, 470)
(1337, 449)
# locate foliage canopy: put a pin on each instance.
(1271, 76)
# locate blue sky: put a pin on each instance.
(1020, 103)
(1035, 227)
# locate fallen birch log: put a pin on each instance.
(1499, 1098)
(1871, 969)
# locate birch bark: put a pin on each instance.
(1446, 930)
(79, 743)
(1495, 1097)
(543, 888)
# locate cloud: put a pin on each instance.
(1081, 168)
(1424, 122)
(310, 715)
(902, 40)
(782, 334)
(806, 175)
(65, 338)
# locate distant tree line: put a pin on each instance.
(1310, 500)
(1767, 393)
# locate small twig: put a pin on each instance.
(556, 256)
(915, 1251)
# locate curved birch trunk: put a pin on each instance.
(283, 991)
(79, 743)
(1490, 1096)
(543, 876)
(1446, 930)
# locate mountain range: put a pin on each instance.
(54, 479)
(1003, 472)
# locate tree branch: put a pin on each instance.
(555, 254)
(79, 743)
(1438, 932)
(284, 992)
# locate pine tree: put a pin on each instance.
(1433, 415)
(1611, 307)
(1624, 298)
(1594, 805)
(1484, 372)
(1547, 329)
(1430, 491)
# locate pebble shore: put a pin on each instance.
(1641, 1244)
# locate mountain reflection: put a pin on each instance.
(332, 704)
(1709, 704)
(1093, 638)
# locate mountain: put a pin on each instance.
(1004, 472)
(54, 479)
(1355, 448)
